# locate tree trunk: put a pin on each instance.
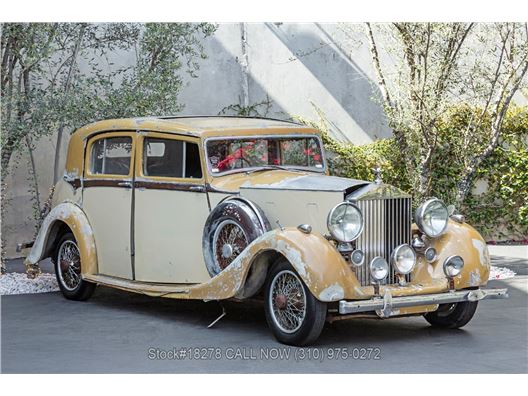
(3, 188)
(66, 90)
(33, 172)
(424, 174)
(424, 178)
(7, 152)
(464, 186)
(56, 161)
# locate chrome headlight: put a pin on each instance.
(431, 217)
(345, 222)
(403, 259)
(379, 268)
(453, 265)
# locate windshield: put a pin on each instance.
(224, 155)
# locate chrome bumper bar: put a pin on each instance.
(384, 305)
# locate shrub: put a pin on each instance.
(500, 212)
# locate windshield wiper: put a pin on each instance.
(272, 167)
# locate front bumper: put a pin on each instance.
(384, 305)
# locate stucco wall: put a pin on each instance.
(294, 65)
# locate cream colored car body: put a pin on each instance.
(144, 234)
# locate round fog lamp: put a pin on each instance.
(403, 259)
(379, 268)
(430, 254)
(357, 257)
(453, 265)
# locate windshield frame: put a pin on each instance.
(265, 167)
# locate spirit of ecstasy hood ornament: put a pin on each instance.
(377, 173)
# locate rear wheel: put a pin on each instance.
(68, 270)
(294, 315)
(452, 316)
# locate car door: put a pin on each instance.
(170, 210)
(107, 200)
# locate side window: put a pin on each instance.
(171, 158)
(111, 156)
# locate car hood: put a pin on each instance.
(286, 180)
(310, 183)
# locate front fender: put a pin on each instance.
(318, 263)
(463, 240)
(73, 216)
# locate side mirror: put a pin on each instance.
(451, 210)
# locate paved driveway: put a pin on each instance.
(117, 331)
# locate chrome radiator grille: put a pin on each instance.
(387, 225)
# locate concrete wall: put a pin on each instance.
(294, 65)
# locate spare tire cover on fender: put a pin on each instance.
(230, 227)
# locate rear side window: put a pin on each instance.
(111, 156)
(171, 158)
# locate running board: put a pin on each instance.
(149, 288)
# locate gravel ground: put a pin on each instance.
(17, 283)
(500, 273)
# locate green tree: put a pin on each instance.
(423, 69)
(57, 77)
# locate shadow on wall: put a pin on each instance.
(338, 73)
(255, 91)
(222, 78)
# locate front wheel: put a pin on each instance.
(294, 315)
(452, 316)
(68, 270)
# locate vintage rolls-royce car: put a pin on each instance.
(215, 208)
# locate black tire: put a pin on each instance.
(452, 316)
(242, 218)
(82, 290)
(312, 324)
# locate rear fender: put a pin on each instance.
(74, 218)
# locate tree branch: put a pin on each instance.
(377, 68)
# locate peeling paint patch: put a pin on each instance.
(474, 278)
(430, 269)
(332, 293)
(293, 255)
(358, 291)
(482, 250)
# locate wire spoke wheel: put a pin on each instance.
(287, 301)
(69, 265)
(229, 241)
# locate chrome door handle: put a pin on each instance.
(197, 188)
(126, 184)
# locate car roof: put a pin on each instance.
(199, 126)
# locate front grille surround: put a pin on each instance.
(387, 224)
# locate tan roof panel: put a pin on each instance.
(196, 125)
